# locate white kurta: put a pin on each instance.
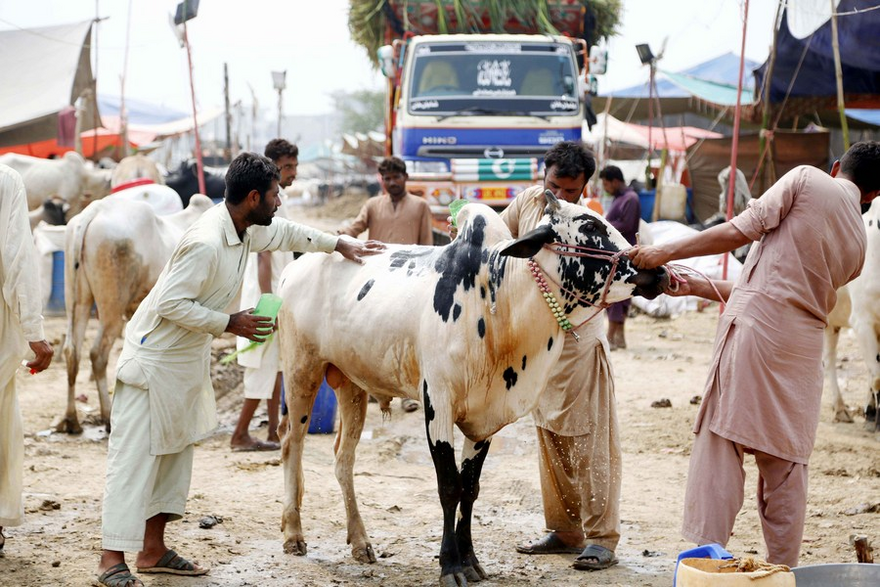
(167, 347)
(264, 357)
(20, 323)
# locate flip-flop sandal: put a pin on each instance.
(548, 544)
(118, 576)
(595, 558)
(173, 564)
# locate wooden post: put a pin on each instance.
(200, 167)
(838, 72)
(228, 154)
(864, 552)
(768, 79)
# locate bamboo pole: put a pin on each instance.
(736, 119)
(838, 72)
(768, 79)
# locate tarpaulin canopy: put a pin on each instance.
(677, 138)
(707, 86)
(45, 70)
(806, 65)
(95, 142)
(148, 122)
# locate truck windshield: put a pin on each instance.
(493, 78)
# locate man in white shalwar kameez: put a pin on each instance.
(164, 401)
(21, 326)
(262, 365)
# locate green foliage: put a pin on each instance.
(361, 110)
(367, 20)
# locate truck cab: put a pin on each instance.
(473, 114)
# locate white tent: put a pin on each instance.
(45, 70)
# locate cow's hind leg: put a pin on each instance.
(832, 335)
(353, 410)
(869, 340)
(109, 330)
(472, 458)
(301, 386)
(77, 320)
(438, 423)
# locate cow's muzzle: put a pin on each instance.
(650, 283)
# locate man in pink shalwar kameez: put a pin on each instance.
(765, 384)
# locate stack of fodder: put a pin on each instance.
(738, 572)
(374, 23)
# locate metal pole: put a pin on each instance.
(280, 91)
(650, 123)
(228, 113)
(200, 168)
(731, 186)
(838, 72)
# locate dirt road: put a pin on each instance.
(60, 542)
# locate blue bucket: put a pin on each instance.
(715, 551)
(55, 304)
(323, 411)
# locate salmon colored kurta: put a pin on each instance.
(810, 241)
(409, 223)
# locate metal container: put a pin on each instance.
(838, 575)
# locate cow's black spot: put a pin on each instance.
(456, 312)
(459, 264)
(414, 257)
(309, 238)
(871, 223)
(76, 265)
(365, 289)
(481, 327)
(426, 402)
(509, 377)
(478, 446)
(524, 364)
(550, 343)
(878, 357)
(482, 292)
(303, 419)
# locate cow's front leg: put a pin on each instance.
(353, 410)
(472, 457)
(300, 394)
(869, 340)
(438, 424)
(832, 335)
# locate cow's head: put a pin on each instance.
(575, 267)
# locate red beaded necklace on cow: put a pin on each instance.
(541, 278)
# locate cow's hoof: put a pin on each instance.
(475, 573)
(69, 426)
(453, 580)
(363, 554)
(843, 416)
(295, 547)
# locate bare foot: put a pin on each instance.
(251, 444)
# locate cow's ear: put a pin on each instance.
(529, 244)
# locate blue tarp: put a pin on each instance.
(139, 112)
(859, 39)
(713, 78)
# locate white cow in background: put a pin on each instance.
(858, 306)
(114, 252)
(67, 177)
(135, 167)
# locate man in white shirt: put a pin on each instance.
(164, 401)
(21, 326)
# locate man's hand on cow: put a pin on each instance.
(648, 256)
(451, 228)
(355, 250)
(250, 326)
(43, 351)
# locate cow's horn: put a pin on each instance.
(552, 200)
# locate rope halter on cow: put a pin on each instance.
(569, 250)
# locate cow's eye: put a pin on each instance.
(590, 225)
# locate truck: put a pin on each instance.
(473, 113)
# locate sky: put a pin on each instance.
(310, 40)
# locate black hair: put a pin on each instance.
(278, 148)
(247, 172)
(611, 172)
(862, 164)
(392, 165)
(570, 158)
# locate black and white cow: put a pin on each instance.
(465, 328)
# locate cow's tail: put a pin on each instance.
(76, 285)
